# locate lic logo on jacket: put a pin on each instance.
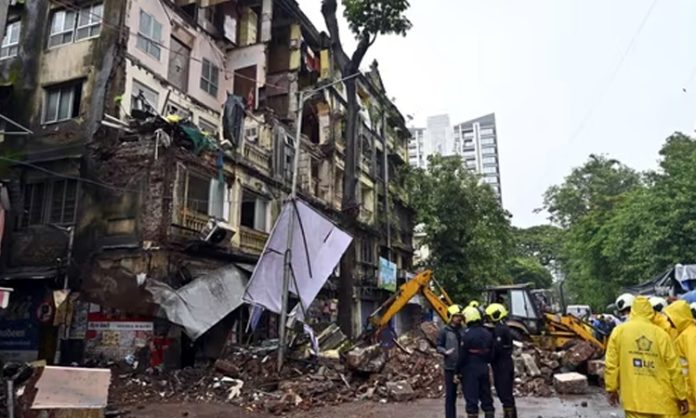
(643, 364)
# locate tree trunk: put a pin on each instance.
(350, 207)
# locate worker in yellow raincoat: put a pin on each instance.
(642, 367)
(660, 319)
(679, 313)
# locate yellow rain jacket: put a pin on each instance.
(679, 313)
(642, 365)
(661, 321)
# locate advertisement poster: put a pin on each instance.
(113, 335)
(19, 324)
(387, 275)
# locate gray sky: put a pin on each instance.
(543, 66)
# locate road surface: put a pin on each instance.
(589, 406)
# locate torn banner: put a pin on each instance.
(202, 303)
(316, 249)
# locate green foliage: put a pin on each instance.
(620, 230)
(596, 185)
(368, 18)
(468, 233)
(530, 270)
(540, 242)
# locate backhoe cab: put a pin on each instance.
(533, 317)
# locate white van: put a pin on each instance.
(583, 312)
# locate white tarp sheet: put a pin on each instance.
(317, 247)
(685, 273)
(202, 303)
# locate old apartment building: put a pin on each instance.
(153, 141)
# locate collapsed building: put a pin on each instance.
(149, 145)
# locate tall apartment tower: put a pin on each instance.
(477, 142)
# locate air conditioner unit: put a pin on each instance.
(217, 232)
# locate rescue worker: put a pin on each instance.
(658, 304)
(502, 364)
(449, 345)
(642, 366)
(477, 348)
(623, 305)
(679, 313)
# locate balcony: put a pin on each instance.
(192, 221)
(251, 240)
(257, 157)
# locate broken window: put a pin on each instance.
(179, 58)
(75, 25)
(62, 102)
(201, 197)
(198, 194)
(148, 94)
(10, 40)
(175, 109)
(149, 35)
(52, 202)
(254, 211)
(208, 127)
(210, 77)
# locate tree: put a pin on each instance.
(367, 20)
(530, 270)
(467, 231)
(540, 242)
(596, 185)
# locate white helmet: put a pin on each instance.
(624, 302)
(658, 303)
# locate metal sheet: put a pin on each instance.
(202, 303)
(72, 387)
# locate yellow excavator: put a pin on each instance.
(532, 318)
(529, 316)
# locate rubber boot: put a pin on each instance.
(510, 413)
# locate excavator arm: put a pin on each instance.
(419, 284)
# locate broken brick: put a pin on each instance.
(570, 383)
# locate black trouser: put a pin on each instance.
(477, 387)
(504, 380)
(450, 394)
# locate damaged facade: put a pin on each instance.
(160, 152)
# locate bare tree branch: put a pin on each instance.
(360, 52)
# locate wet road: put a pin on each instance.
(588, 406)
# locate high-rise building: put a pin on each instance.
(476, 141)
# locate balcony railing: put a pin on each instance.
(193, 221)
(251, 240)
(258, 157)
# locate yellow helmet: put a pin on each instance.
(453, 310)
(471, 314)
(474, 304)
(496, 311)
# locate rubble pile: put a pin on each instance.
(248, 377)
(536, 369)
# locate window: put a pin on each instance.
(367, 251)
(89, 22)
(251, 134)
(175, 109)
(198, 194)
(493, 170)
(148, 94)
(254, 211)
(209, 13)
(53, 202)
(62, 102)
(149, 35)
(468, 135)
(208, 127)
(521, 306)
(201, 197)
(490, 180)
(209, 77)
(487, 141)
(70, 26)
(488, 160)
(10, 40)
(486, 131)
(488, 151)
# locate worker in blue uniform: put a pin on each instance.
(502, 364)
(477, 349)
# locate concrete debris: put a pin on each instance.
(400, 391)
(366, 359)
(570, 383)
(431, 331)
(530, 365)
(578, 355)
(596, 368)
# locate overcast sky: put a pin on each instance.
(548, 69)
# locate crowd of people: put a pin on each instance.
(648, 358)
(468, 349)
(651, 345)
